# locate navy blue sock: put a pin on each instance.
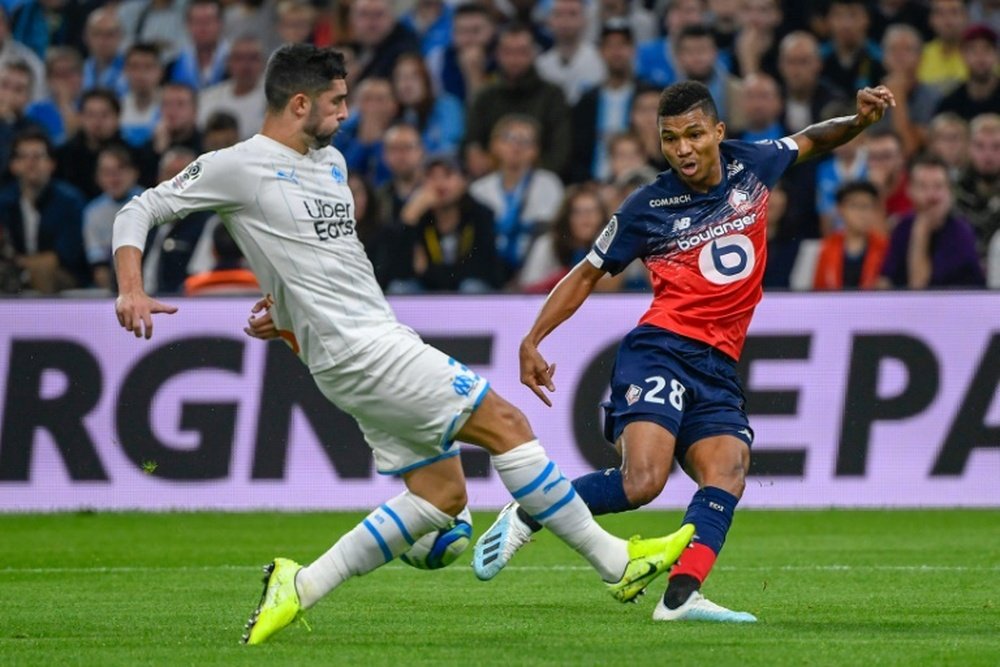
(711, 512)
(602, 490)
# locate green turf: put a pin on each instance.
(834, 587)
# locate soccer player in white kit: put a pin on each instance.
(283, 196)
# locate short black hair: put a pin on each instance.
(679, 98)
(697, 31)
(102, 94)
(854, 188)
(471, 8)
(300, 68)
(929, 160)
(32, 133)
(119, 152)
(222, 120)
(145, 48)
(862, 3)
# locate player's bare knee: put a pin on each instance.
(642, 486)
(450, 498)
(729, 476)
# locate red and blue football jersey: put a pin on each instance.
(705, 251)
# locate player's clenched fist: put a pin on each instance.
(536, 372)
(872, 103)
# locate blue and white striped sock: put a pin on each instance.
(540, 488)
(381, 536)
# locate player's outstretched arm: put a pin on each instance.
(824, 137)
(560, 305)
(133, 306)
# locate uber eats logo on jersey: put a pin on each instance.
(331, 220)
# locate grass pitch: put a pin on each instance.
(831, 587)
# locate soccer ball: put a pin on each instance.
(440, 548)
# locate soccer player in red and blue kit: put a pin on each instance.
(701, 230)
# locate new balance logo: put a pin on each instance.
(681, 224)
(716, 506)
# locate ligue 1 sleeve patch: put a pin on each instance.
(190, 174)
(608, 235)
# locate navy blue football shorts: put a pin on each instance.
(686, 386)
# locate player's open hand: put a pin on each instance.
(135, 312)
(872, 103)
(536, 372)
(260, 325)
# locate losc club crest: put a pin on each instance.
(739, 199)
(338, 174)
(633, 394)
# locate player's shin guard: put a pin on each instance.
(381, 536)
(549, 498)
(711, 512)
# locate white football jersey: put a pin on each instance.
(293, 217)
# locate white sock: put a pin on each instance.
(540, 488)
(381, 536)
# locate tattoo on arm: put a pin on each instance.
(823, 137)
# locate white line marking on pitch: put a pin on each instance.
(127, 569)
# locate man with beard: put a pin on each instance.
(283, 196)
(981, 92)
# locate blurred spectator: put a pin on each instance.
(806, 94)
(171, 246)
(528, 13)
(931, 247)
(941, 63)
(911, 13)
(655, 60)
(41, 216)
(380, 38)
(222, 130)
(360, 136)
(10, 273)
(230, 275)
(12, 50)
(202, 62)
(848, 162)
(761, 102)
(141, 104)
(915, 101)
(524, 198)
(985, 11)
(615, 192)
(379, 235)
(572, 63)
(643, 121)
(464, 66)
(948, 139)
(441, 120)
(756, 46)
(178, 124)
(576, 226)
(117, 177)
(105, 63)
(603, 111)
(625, 156)
(59, 112)
(981, 91)
(451, 235)
(850, 60)
(296, 23)
(242, 94)
(76, 160)
(851, 257)
(978, 190)
(251, 17)
(518, 90)
(641, 22)
(39, 24)
(697, 59)
(15, 93)
(723, 16)
(430, 21)
(160, 22)
(403, 154)
(887, 171)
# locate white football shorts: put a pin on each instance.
(410, 399)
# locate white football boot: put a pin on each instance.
(700, 608)
(499, 544)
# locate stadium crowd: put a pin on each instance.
(489, 142)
